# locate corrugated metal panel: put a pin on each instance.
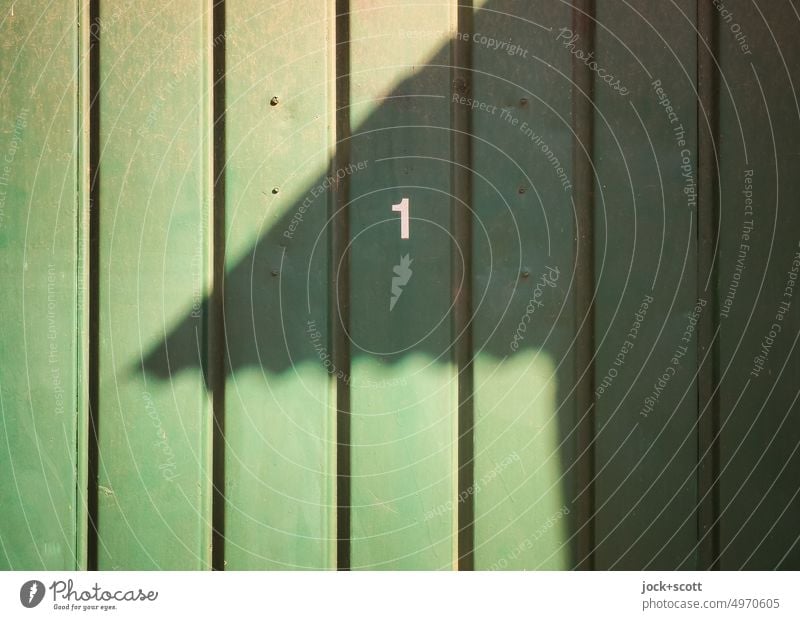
(523, 299)
(580, 355)
(40, 208)
(280, 401)
(152, 210)
(403, 393)
(646, 263)
(757, 373)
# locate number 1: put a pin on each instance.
(402, 206)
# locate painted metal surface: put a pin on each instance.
(153, 208)
(403, 405)
(237, 358)
(646, 258)
(522, 296)
(280, 399)
(758, 460)
(39, 215)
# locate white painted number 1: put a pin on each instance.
(403, 208)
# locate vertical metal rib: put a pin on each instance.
(582, 118)
(339, 312)
(93, 292)
(216, 309)
(461, 190)
(83, 168)
(707, 233)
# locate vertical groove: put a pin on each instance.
(339, 314)
(216, 310)
(462, 285)
(82, 171)
(707, 350)
(582, 118)
(82, 310)
(93, 291)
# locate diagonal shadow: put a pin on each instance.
(270, 287)
(278, 294)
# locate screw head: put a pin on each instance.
(275, 190)
(523, 102)
(274, 101)
(274, 272)
(526, 273)
(521, 190)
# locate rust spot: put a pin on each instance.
(460, 85)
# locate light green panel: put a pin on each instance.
(38, 261)
(154, 237)
(280, 418)
(523, 510)
(523, 265)
(403, 391)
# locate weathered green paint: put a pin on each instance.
(154, 482)
(39, 208)
(83, 270)
(760, 431)
(645, 236)
(280, 416)
(267, 345)
(523, 235)
(403, 403)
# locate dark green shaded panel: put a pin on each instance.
(645, 272)
(759, 259)
(38, 249)
(154, 199)
(523, 262)
(280, 501)
(403, 381)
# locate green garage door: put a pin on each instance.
(362, 284)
